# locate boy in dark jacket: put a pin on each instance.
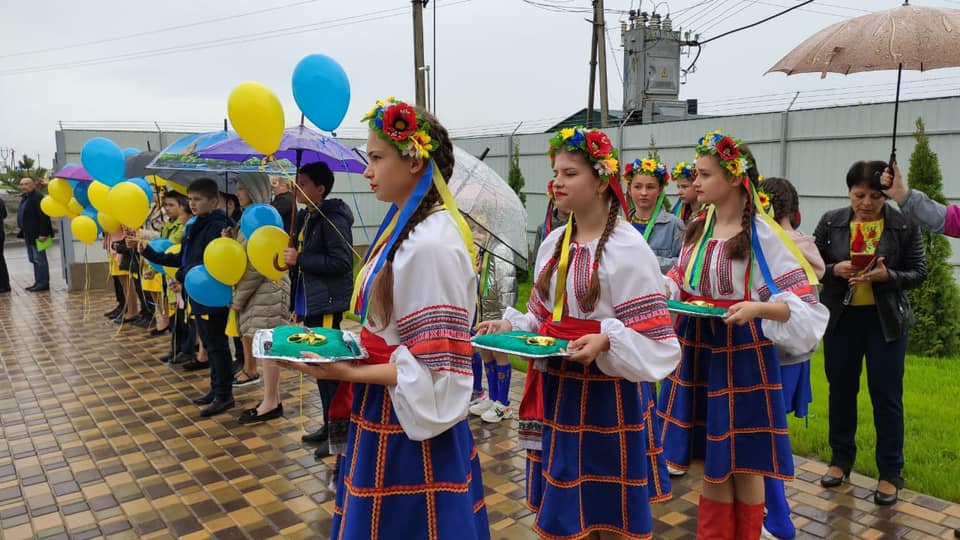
(211, 321)
(324, 260)
(35, 226)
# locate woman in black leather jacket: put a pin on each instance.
(873, 254)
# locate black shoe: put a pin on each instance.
(37, 288)
(885, 499)
(114, 313)
(205, 400)
(829, 481)
(317, 436)
(218, 406)
(956, 533)
(195, 365)
(250, 416)
(155, 332)
(143, 322)
(183, 357)
(121, 320)
(4, 290)
(30, 288)
(322, 452)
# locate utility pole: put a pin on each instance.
(600, 31)
(418, 72)
(593, 67)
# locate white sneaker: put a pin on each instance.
(496, 413)
(480, 405)
(675, 472)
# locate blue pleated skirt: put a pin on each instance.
(392, 487)
(797, 392)
(600, 469)
(724, 405)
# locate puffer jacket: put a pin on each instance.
(325, 262)
(263, 303)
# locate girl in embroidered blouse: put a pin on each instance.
(647, 181)
(597, 475)
(411, 468)
(722, 405)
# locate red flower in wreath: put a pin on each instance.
(399, 121)
(598, 144)
(727, 149)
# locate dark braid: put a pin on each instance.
(593, 289)
(738, 246)
(783, 198)
(381, 293)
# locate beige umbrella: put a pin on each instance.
(907, 37)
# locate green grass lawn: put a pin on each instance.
(931, 401)
(931, 410)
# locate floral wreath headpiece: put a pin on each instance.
(727, 149)
(594, 144)
(685, 170)
(647, 167)
(399, 124)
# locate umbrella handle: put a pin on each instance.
(278, 265)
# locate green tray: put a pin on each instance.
(516, 343)
(695, 310)
(290, 342)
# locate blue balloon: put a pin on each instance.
(322, 90)
(159, 245)
(258, 215)
(127, 152)
(145, 186)
(80, 194)
(92, 214)
(203, 289)
(104, 160)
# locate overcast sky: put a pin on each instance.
(498, 62)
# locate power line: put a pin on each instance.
(222, 42)
(705, 16)
(743, 4)
(155, 31)
(615, 63)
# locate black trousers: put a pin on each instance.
(4, 274)
(184, 336)
(118, 292)
(212, 329)
(327, 388)
(857, 335)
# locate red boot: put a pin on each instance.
(749, 519)
(715, 520)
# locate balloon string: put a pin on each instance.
(317, 208)
(86, 285)
(303, 424)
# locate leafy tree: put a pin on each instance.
(515, 178)
(936, 302)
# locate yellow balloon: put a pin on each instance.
(99, 195)
(84, 229)
(257, 116)
(60, 190)
(129, 204)
(173, 250)
(108, 222)
(52, 207)
(74, 208)
(225, 260)
(265, 251)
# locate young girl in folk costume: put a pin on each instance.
(647, 180)
(794, 365)
(684, 174)
(723, 404)
(411, 468)
(596, 479)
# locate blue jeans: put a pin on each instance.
(858, 335)
(41, 270)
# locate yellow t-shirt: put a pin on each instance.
(864, 238)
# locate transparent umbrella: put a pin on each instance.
(491, 208)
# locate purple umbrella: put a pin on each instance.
(72, 171)
(300, 145)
